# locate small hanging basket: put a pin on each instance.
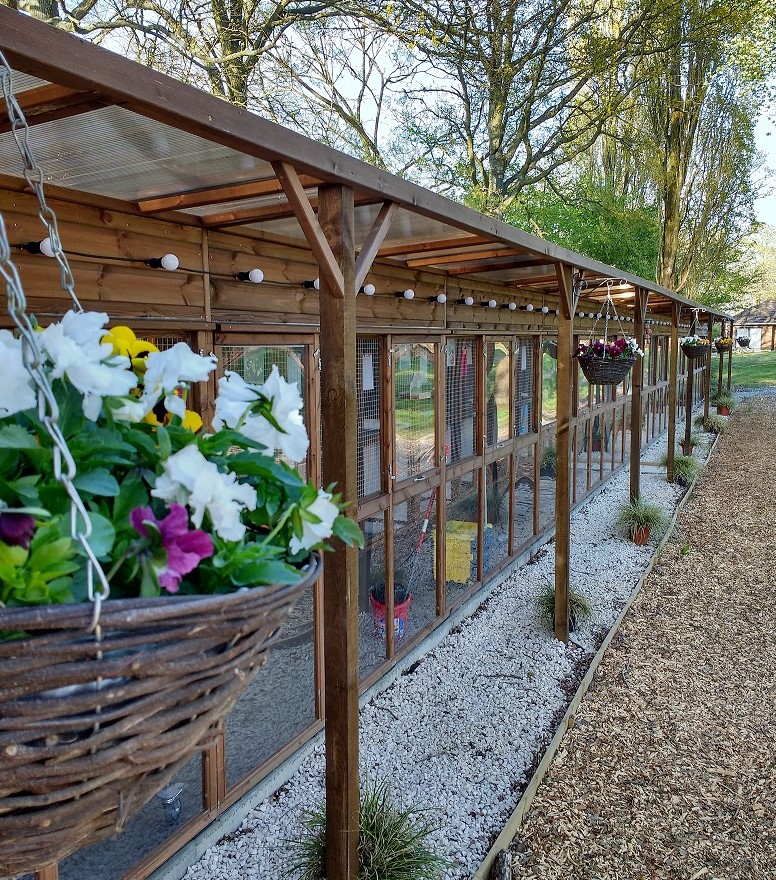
(605, 371)
(723, 346)
(695, 352)
(90, 730)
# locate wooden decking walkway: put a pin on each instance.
(670, 768)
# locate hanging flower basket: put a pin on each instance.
(600, 371)
(723, 344)
(604, 362)
(90, 730)
(694, 347)
(743, 341)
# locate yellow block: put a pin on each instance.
(458, 545)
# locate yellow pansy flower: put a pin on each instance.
(125, 343)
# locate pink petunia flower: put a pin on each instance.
(177, 550)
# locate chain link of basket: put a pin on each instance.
(608, 305)
(48, 409)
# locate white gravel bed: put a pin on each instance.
(460, 735)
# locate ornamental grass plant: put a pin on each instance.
(579, 607)
(685, 468)
(391, 844)
(640, 514)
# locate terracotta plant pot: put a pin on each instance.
(641, 535)
(723, 410)
(687, 450)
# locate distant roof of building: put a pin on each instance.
(762, 313)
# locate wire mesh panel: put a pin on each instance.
(523, 487)
(255, 362)
(461, 544)
(497, 389)
(524, 385)
(372, 595)
(414, 563)
(496, 536)
(368, 462)
(279, 703)
(461, 406)
(549, 381)
(152, 826)
(415, 408)
(548, 461)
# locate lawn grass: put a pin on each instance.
(754, 369)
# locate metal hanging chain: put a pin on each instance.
(609, 307)
(48, 409)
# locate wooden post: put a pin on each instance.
(720, 364)
(673, 358)
(707, 372)
(50, 872)
(730, 359)
(562, 435)
(340, 596)
(637, 383)
(688, 397)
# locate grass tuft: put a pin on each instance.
(579, 607)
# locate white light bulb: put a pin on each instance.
(256, 276)
(545, 309)
(512, 306)
(590, 315)
(170, 262)
(468, 300)
(529, 307)
(409, 293)
(369, 289)
(317, 284)
(441, 298)
(45, 247)
(492, 303)
(599, 316)
(581, 314)
(557, 312)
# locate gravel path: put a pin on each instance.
(460, 733)
(670, 767)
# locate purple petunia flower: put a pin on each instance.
(17, 529)
(183, 549)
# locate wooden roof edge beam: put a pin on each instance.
(216, 194)
(297, 198)
(371, 246)
(50, 102)
(434, 244)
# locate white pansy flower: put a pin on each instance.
(190, 479)
(74, 349)
(235, 396)
(314, 533)
(171, 369)
(17, 392)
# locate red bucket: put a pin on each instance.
(400, 614)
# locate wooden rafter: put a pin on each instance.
(218, 194)
(50, 102)
(495, 266)
(308, 222)
(267, 213)
(464, 257)
(437, 244)
(376, 237)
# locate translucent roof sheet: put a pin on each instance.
(115, 152)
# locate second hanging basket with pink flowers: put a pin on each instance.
(604, 362)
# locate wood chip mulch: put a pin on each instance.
(670, 768)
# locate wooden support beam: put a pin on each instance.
(433, 244)
(562, 446)
(470, 256)
(707, 372)
(371, 245)
(340, 594)
(534, 281)
(266, 213)
(217, 194)
(327, 264)
(730, 359)
(673, 358)
(50, 102)
(688, 397)
(50, 872)
(214, 770)
(495, 266)
(637, 384)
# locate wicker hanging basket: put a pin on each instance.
(604, 371)
(695, 352)
(723, 346)
(90, 731)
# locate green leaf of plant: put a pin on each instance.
(15, 437)
(97, 482)
(348, 531)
